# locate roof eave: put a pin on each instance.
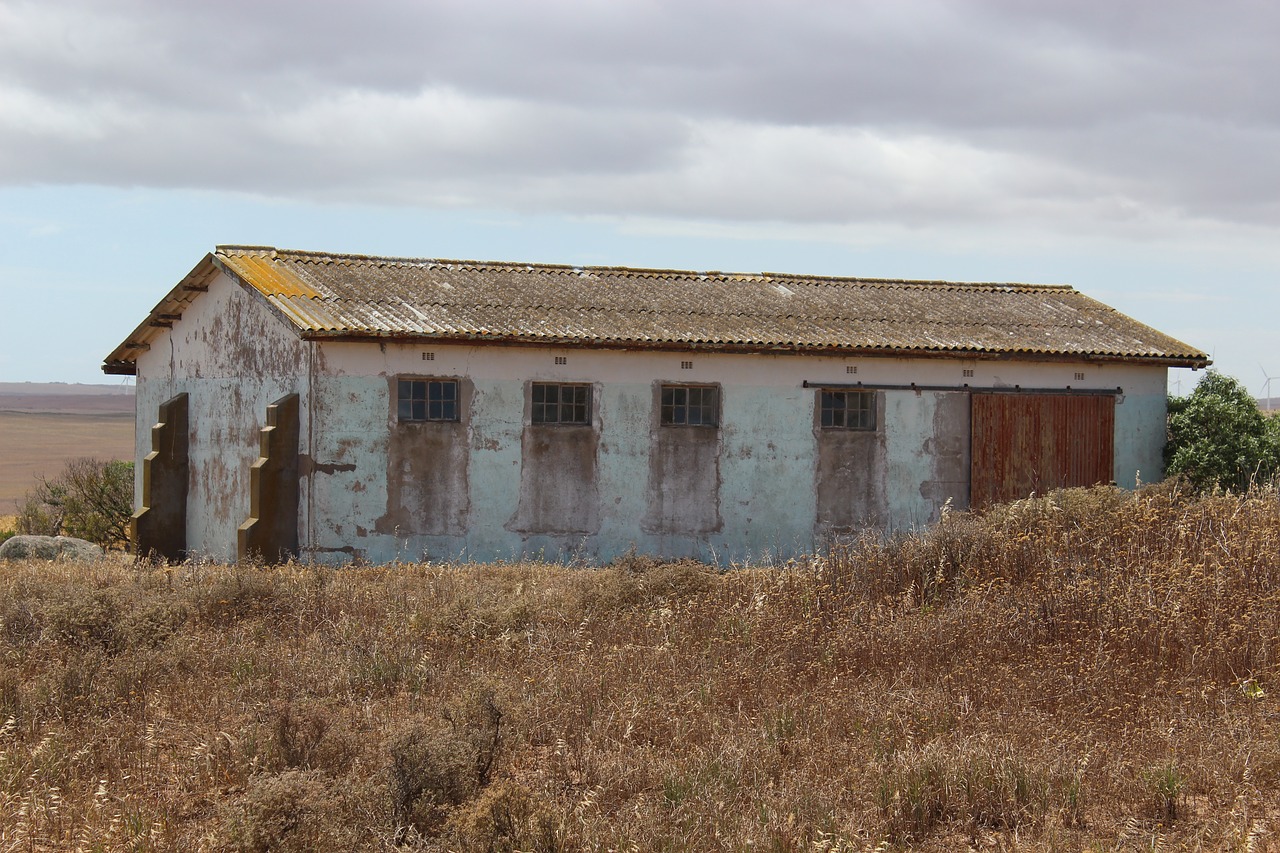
(122, 360)
(1193, 361)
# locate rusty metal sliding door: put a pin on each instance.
(1024, 443)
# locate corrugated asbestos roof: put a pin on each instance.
(357, 297)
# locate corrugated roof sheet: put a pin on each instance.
(354, 296)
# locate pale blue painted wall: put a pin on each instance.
(1140, 437)
(767, 467)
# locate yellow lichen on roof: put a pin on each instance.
(269, 278)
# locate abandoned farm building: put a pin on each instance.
(338, 407)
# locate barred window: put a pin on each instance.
(427, 400)
(848, 409)
(690, 405)
(561, 403)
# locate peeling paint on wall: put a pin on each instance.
(851, 474)
(927, 441)
(233, 357)
(947, 450)
(558, 494)
(684, 476)
(428, 490)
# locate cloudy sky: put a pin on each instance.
(1131, 149)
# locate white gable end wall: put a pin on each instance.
(233, 357)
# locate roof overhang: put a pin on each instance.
(123, 360)
(753, 348)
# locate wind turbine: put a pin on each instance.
(1266, 386)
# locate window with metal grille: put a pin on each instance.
(427, 400)
(848, 409)
(690, 405)
(560, 403)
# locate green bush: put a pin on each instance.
(90, 499)
(1219, 439)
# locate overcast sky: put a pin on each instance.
(1131, 149)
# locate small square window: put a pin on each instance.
(848, 409)
(686, 365)
(428, 356)
(1079, 377)
(427, 400)
(560, 403)
(562, 359)
(851, 368)
(690, 405)
(967, 372)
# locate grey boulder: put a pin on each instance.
(49, 548)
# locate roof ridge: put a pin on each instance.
(647, 272)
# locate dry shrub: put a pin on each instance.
(300, 811)
(240, 591)
(297, 732)
(108, 619)
(89, 619)
(312, 734)
(435, 768)
(432, 770)
(636, 581)
(19, 623)
(505, 818)
(75, 688)
(487, 619)
(152, 622)
(10, 694)
(978, 785)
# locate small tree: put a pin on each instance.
(1218, 438)
(90, 499)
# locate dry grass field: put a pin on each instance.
(41, 443)
(1088, 671)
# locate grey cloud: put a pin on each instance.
(1068, 111)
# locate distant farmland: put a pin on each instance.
(44, 426)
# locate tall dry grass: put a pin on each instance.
(1089, 670)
